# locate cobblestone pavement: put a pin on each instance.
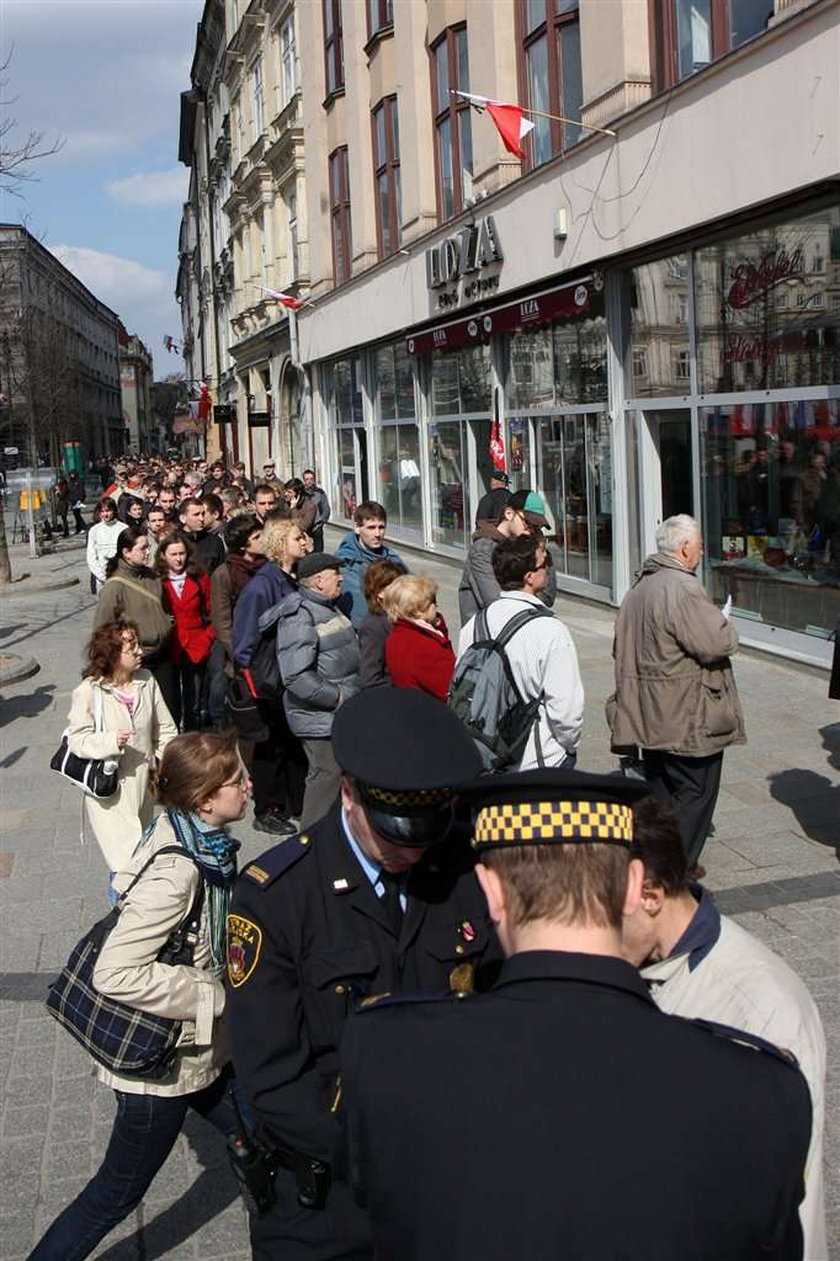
(773, 864)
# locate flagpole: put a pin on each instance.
(535, 113)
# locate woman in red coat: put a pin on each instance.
(417, 652)
(186, 596)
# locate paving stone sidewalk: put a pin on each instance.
(773, 864)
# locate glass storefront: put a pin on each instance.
(342, 397)
(399, 484)
(461, 393)
(574, 473)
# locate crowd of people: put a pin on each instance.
(458, 941)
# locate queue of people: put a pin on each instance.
(457, 942)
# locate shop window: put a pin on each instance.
(531, 375)
(394, 384)
(689, 34)
(746, 331)
(574, 473)
(461, 381)
(550, 74)
(386, 161)
(658, 292)
(447, 464)
(453, 125)
(400, 490)
(561, 365)
(342, 236)
(380, 16)
(288, 61)
(771, 491)
(333, 47)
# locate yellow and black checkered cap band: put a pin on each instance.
(536, 822)
(392, 799)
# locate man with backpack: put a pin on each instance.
(517, 685)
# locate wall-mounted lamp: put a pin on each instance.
(561, 230)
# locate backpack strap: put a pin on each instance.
(516, 623)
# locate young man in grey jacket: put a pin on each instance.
(318, 654)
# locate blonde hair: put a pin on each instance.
(408, 595)
(275, 536)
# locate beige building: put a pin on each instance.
(135, 393)
(649, 313)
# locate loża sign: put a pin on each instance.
(454, 267)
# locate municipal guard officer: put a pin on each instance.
(380, 895)
(561, 1114)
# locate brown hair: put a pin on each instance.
(369, 510)
(377, 577)
(104, 648)
(658, 842)
(175, 536)
(408, 595)
(582, 884)
(194, 767)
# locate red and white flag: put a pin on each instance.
(286, 299)
(497, 446)
(510, 120)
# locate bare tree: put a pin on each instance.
(18, 152)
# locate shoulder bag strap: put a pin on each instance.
(135, 586)
(98, 708)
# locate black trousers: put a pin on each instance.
(338, 1232)
(691, 786)
(279, 766)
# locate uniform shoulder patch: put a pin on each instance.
(269, 866)
(376, 1002)
(244, 942)
(730, 1034)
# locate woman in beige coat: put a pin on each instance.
(204, 787)
(118, 711)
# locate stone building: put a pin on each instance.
(135, 390)
(59, 374)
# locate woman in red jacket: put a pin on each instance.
(186, 596)
(417, 652)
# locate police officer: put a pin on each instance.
(380, 895)
(562, 1114)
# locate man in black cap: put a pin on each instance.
(378, 896)
(562, 1114)
(491, 504)
(318, 654)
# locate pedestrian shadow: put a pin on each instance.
(11, 758)
(814, 800)
(831, 742)
(213, 1191)
(29, 705)
(5, 631)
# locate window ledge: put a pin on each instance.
(384, 32)
(332, 96)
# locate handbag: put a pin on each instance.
(123, 1039)
(244, 710)
(97, 777)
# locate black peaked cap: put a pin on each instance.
(516, 786)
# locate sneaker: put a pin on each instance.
(273, 823)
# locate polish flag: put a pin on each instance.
(510, 120)
(286, 299)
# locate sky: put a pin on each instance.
(104, 77)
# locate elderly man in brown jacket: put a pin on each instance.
(675, 696)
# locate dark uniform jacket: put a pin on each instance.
(562, 1117)
(308, 940)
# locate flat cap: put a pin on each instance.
(316, 563)
(553, 807)
(407, 752)
(532, 507)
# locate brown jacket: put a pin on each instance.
(674, 687)
(135, 595)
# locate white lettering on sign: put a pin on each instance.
(474, 248)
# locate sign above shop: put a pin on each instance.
(223, 413)
(456, 269)
(569, 300)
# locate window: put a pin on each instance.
(453, 125)
(342, 243)
(288, 61)
(550, 74)
(688, 34)
(380, 16)
(292, 229)
(818, 264)
(257, 96)
(386, 161)
(333, 46)
(682, 365)
(640, 368)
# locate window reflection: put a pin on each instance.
(659, 358)
(447, 463)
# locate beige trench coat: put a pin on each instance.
(674, 686)
(118, 821)
(127, 969)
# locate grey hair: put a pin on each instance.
(676, 530)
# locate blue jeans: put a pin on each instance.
(144, 1133)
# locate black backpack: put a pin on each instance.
(485, 697)
(263, 673)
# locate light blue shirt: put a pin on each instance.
(372, 870)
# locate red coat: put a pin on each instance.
(417, 656)
(193, 633)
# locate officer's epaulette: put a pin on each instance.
(753, 1040)
(278, 860)
(375, 1002)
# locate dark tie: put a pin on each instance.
(390, 901)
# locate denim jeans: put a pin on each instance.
(144, 1133)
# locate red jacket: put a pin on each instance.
(417, 656)
(193, 633)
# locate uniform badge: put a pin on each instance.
(467, 930)
(462, 978)
(244, 939)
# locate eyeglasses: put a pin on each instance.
(240, 781)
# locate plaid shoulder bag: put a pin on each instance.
(125, 1040)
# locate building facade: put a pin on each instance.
(135, 392)
(59, 372)
(651, 315)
